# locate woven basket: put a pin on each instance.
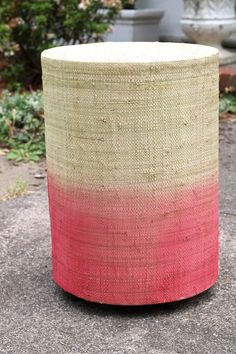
(132, 154)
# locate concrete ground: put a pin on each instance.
(36, 316)
(30, 176)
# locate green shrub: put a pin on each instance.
(27, 27)
(22, 125)
(128, 4)
(228, 103)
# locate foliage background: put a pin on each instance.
(27, 27)
(22, 125)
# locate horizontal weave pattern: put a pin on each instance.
(132, 154)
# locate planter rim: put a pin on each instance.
(140, 13)
(210, 20)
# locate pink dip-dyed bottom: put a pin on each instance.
(129, 249)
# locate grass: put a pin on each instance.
(19, 188)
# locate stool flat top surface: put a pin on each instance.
(129, 52)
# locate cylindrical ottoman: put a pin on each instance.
(132, 156)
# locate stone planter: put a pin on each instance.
(209, 22)
(136, 26)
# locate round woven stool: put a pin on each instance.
(132, 156)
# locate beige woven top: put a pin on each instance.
(133, 52)
(131, 114)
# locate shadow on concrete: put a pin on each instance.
(91, 308)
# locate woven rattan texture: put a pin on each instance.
(132, 153)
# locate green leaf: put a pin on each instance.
(228, 103)
(12, 155)
(34, 158)
(19, 158)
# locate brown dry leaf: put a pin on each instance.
(2, 152)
